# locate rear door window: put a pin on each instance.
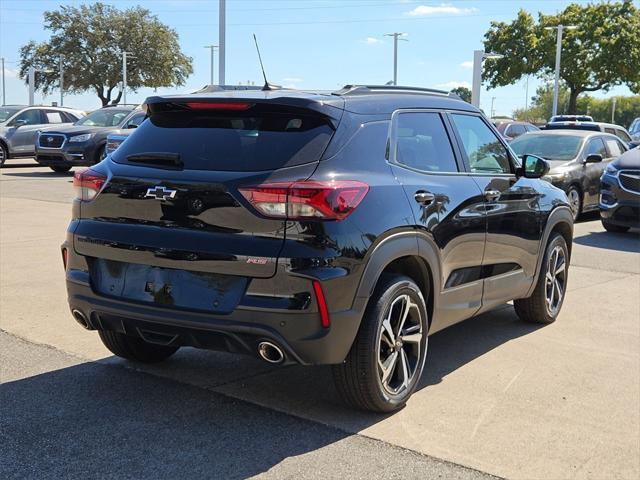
(422, 143)
(613, 146)
(53, 116)
(623, 135)
(227, 141)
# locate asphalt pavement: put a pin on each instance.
(497, 396)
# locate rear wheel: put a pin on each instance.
(3, 154)
(610, 227)
(575, 201)
(385, 363)
(133, 348)
(60, 168)
(544, 305)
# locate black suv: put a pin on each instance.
(620, 193)
(313, 228)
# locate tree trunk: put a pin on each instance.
(100, 92)
(117, 99)
(573, 101)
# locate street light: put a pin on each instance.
(560, 28)
(396, 36)
(124, 75)
(480, 56)
(213, 49)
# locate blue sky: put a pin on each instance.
(307, 43)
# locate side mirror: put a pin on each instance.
(593, 158)
(533, 166)
(19, 123)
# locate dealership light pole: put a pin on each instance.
(31, 76)
(479, 56)
(61, 81)
(124, 75)
(396, 36)
(560, 28)
(4, 98)
(213, 49)
(222, 50)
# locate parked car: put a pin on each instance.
(571, 118)
(634, 130)
(313, 228)
(83, 143)
(577, 158)
(620, 193)
(19, 125)
(611, 128)
(115, 139)
(513, 129)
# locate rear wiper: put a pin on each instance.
(166, 160)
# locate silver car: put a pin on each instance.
(19, 126)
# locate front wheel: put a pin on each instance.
(575, 202)
(133, 348)
(385, 363)
(544, 305)
(610, 227)
(3, 154)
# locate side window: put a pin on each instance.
(422, 143)
(622, 135)
(117, 118)
(68, 118)
(596, 146)
(135, 120)
(609, 130)
(53, 116)
(483, 149)
(516, 130)
(613, 146)
(32, 117)
(532, 128)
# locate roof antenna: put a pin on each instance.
(267, 85)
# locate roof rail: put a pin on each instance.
(379, 89)
(227, 88)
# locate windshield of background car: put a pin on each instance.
(7, 113)
(252, 141)
(104, 118)
(550, 147)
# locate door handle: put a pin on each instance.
(492, 195)
(424, 198)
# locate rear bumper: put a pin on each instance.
(298, 332)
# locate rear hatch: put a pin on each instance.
(171, 200)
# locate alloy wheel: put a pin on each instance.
(399, 343)
(574, 202)
(555, 280)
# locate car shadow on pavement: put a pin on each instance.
(40, 174)
(623, 242)
(94, 420)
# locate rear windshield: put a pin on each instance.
(550, 147)
(238, 141)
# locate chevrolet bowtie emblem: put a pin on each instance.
(160, 193)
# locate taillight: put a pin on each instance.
(88, 184)
(332, 200)
(219, 105)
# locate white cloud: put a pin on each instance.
(10, 73)
(443, 8)
(292, 80)
(371, 40)
(453, 84)
(468, 64)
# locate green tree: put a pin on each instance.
(604, 51)
(90, 38)
(463, 92)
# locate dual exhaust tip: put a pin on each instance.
(270, 352)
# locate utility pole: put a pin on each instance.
(493, 112)
(124, 75)
(31, 75)
(4, 98)
(212, 48)
(613, 111)
(61, 81)
(560, 28)
(479, 56)
(526, 101)
(221, 41)
(396, 36)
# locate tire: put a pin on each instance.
(100, 154)
(543, 306)
(133, 348)
(360, 380)
(60, 168)
(610, 227)
(4, 155)
(575, 201)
